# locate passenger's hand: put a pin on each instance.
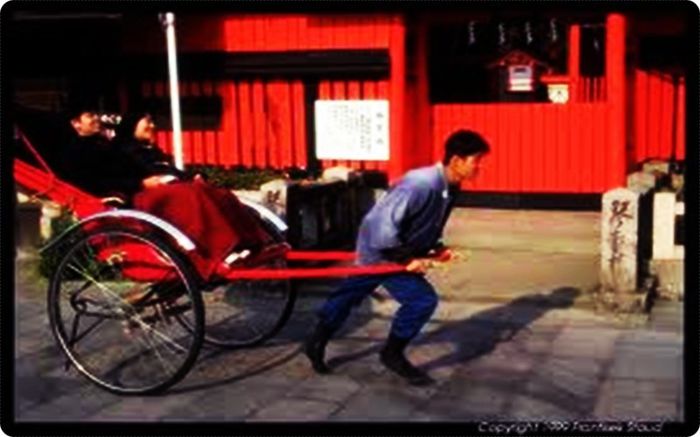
(158, 180)
(152, 182)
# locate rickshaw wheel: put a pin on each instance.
(116, 302)
(246, 313)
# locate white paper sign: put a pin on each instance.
(352, 129)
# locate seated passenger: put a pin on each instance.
(212, 217)
(135, 168)
(90, 162)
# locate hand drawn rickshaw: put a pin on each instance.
(126, 306)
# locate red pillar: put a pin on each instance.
(422, 119)
(574, 61)
(615, 75)
(397, 92)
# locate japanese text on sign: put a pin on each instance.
(352, 129)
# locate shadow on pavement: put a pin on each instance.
(488, 328)
(484, 330)
(300, 324)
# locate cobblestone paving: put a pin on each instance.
(514, 337)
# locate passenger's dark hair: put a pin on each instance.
(124, 132)
(464, 143)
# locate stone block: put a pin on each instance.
(338, 173)
(27, 225)
(665, 211)
(641, 182)
(670, 276)
(619, 239)
(656, 166)
(49, 212)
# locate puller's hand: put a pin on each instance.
(419, 265)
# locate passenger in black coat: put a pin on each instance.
(149, 165)
(91, 163)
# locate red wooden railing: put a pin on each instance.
(535, 147)
(654, 115)
(264, 122)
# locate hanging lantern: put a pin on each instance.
(520, 78)
(528, 33)
(501, 34)
(472, 37)
(553, 30)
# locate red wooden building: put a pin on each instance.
(249, 80)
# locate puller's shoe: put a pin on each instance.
(392, 356)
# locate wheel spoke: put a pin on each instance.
(135, 343)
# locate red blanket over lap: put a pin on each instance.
(212, 217)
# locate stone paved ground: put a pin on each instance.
(516, 339)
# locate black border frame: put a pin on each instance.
(11, 427)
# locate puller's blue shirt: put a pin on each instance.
(408, 220)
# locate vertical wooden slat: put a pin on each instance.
(285, 119)
(166, 141)
(325, 92)
(666, 115)
(539, 150)
(228, 134)
(479, 126)
(551, 149)
(272, 124)
(589, 184)
(487, 131)
(646, 120)
(603, 176)
(236, 133)
(260, 147)
(514, 147)
(196, 133)
(522, 158)
(653, 119)
(565, 164)
(499, 158)
(640, 87)
(597, 153)
(188, 132)
(354, 90)
(526, 158)
(299, 123)
(577, 145)
(509, 153)
(211, 148)
(583, 127)
(247, 132)
(680, 121)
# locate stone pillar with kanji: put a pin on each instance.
(619, 267)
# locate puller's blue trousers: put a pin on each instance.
(415, 294)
